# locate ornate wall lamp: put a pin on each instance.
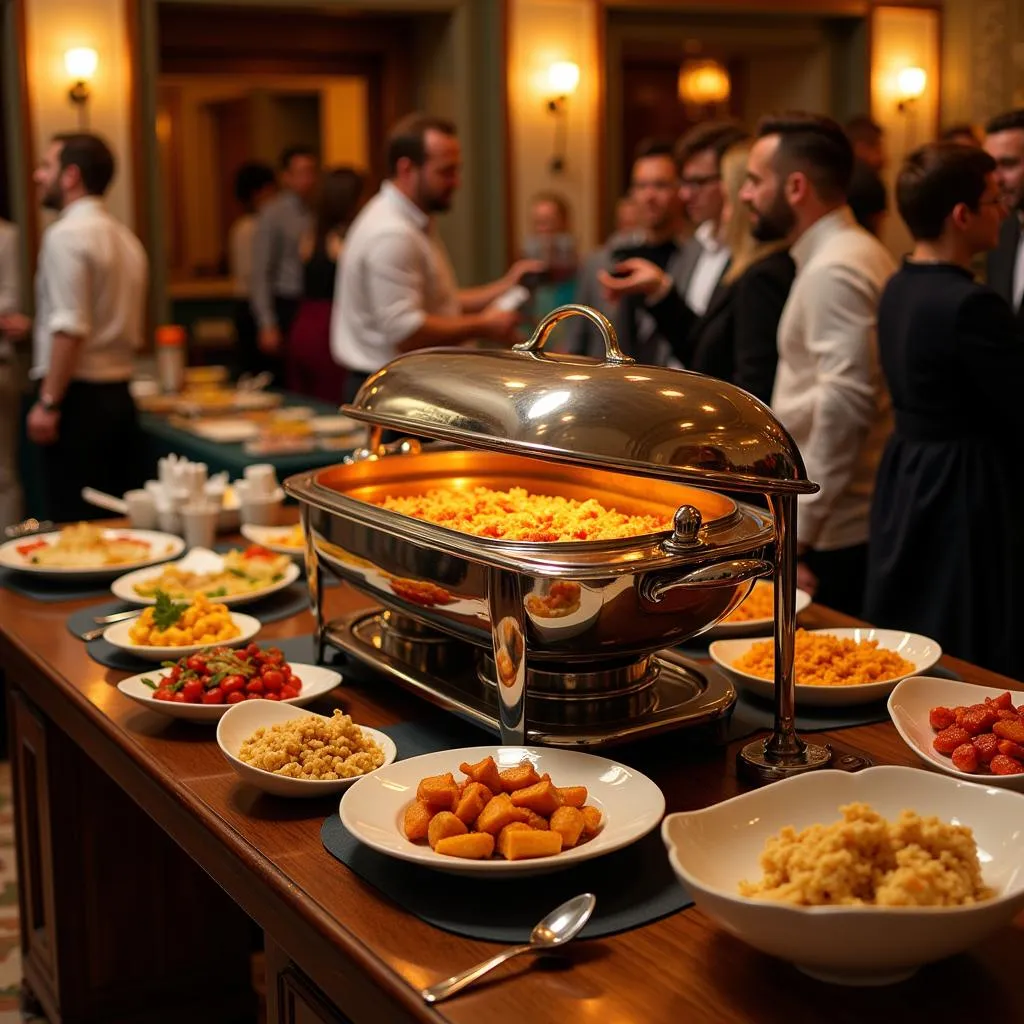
(80, 64)
(563, 79)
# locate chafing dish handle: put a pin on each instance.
(721, 574)
(612, 352)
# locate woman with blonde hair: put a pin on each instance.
(735, 339)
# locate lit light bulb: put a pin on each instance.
(911, 82)
(563, 77)
(81, 63)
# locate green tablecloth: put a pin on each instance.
(162, 438)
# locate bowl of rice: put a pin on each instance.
(836, 667)
(856, 878)
(299, 754)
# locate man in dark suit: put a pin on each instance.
(1004, 142)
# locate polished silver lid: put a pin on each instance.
(612, 413)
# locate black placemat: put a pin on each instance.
(50, 589)
(634, 887)
(280, 605)
(754, 714)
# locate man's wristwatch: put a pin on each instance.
(48, 403)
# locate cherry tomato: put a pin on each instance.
(272, 680)
(287, 692)
(251, 651)
(296, 682)
(162, 694)
(196, 663)
(229, 684)
(213, 696)
(271, 696)
(254, 686)
(234, 697)
(178, 698)
(174, 675)
(193, 690)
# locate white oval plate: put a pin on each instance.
(240, 721)
(919, 649)
(117, 636)
(753, 627)
(197, 560)
(264, 536)
(335, 425)
(909, 706)
(316, 681)
(163, 547)
(631, 804)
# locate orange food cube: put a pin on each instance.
(522, 844)
(512, 826)
(417, 820)
(520, 777)
(541, 797)
(485, 772)
(498, 813)
(474, 799)
(469, 846)
(439, 791)
(592, 819)
(535, 820)
(444, 825)
(573, 796)
(569, 823)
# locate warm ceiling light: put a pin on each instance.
(81, 62)
(703, 81)
(563, 77)
(910, 83)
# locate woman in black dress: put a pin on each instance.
(946, 554)
(735, 339)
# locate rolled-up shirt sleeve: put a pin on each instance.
(842, 338)
(66, 268)
(395, 280)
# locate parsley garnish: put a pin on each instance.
(167, 612)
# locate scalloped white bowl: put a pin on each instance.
(713, 849)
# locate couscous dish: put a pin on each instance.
(914, 861)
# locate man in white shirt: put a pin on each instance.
(13, 328)
(1004, 142)
(396, 289)
(829, 391)
(90, 295)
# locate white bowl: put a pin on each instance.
(198, 560)
(163, 546)
(265, 537)
(240, 721)
(924, 653)
(316, 681)
(753, 627)
(631, 804)
(713, 849)
(909, 706)
(117, 636)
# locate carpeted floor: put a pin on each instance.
(10, 947)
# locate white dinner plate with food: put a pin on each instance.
(118, 635)
(285, 540)
(914, 655)
(316, 681)
(227, 431)
(241, 720)
(207, 572)
(762, 595)
(87, 551)
(631, 805)
(910, 707)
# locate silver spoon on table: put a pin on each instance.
(561, 925)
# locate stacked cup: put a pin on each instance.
(259, 495)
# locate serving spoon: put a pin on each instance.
(561, 925)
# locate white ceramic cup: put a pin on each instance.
(168, 519)
(261, 510)
(199, 524)
(262, 479)
(141, 509)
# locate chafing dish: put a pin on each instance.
(640, 439)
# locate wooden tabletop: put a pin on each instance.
(267, 854)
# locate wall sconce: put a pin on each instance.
(703, 82)
(910, 86)
(80, 64)
(563, 79)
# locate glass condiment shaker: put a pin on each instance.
(170, 357)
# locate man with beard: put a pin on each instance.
(829, 391)
(90, 292)
(396, 289)
(1004, 142)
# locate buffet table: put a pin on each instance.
(146, 865)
